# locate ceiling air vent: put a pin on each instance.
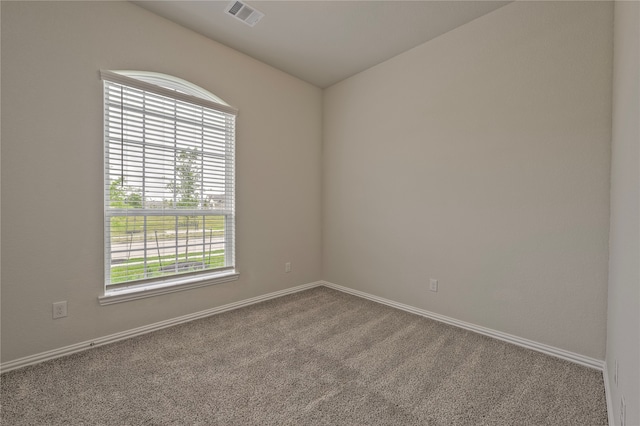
(244, 13)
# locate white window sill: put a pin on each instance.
(149, 290)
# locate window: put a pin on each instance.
(169, 185)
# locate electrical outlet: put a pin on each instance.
(623, 412)
(287, 267)
(59, 309)
(433, 285)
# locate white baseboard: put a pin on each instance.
(607, 394)
(525, 343)
(529, 344)
(82, 346)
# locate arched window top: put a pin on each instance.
(169, 86)
(173, 83)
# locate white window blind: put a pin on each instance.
(169, 182)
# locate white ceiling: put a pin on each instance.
(324, 42)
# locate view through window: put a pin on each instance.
(169, 181)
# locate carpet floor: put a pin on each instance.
(318, 357)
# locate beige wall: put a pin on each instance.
(481, 159)
(623, 326)
(52, 232)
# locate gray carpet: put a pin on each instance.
(318, 357)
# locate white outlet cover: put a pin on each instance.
(59, 310)
(433, 284)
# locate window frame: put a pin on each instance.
(179, 90)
